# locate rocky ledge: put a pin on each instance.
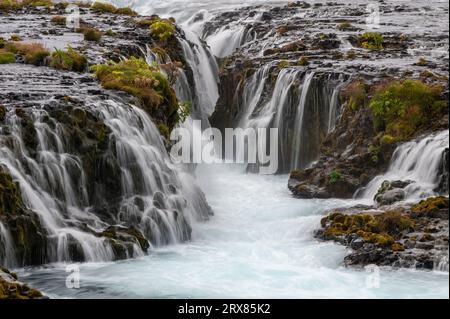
(400, 235)
(11, 288)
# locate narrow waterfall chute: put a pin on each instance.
(418, 161)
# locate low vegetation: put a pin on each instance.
(371, 41)
(163, 29)
(143, 81)
(103, 7)
(69, 60)
(33, 53)
(58, 20)
(400, 108)
(90, 34)
(7, 57)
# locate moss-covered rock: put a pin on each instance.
(11, 288)
(146, 83)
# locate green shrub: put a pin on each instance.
(184, 110)
(371, 41)
(7, 57)
(163, 29)
(69, 60)
(401, 107)
(335, 177)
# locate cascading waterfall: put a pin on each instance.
(298, 128)
(205, 72)
(296, 94)
(6, 247)
(418, 161)
(158, 198)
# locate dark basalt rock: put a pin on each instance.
(392, 236)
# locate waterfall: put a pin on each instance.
(304, 106)
(205, 72)
(418, 161)
(158, 198)
(298, 128)
(6, 248)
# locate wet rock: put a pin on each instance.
(389, 236)
(11, 288)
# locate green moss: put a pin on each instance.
(283, 64)
(10, 197)
(430, 205)
(387, 140)
(69, 60)
(143, 81)
(381, 229)
(335, 177)
(163, 29)
(371, 41)
(7, 57)
(402, 107)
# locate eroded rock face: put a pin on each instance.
(399, 236)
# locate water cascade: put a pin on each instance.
(418, 161)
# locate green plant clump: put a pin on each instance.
(335, 177)
(7, 57)
(163, 29)
(69, 60)
(103, 7)
(371, 41)
(402, 107)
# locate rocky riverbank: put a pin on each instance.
(11, 288)
(412, 236)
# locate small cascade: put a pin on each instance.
(304, 106)
(205, 72)
(155, 197)
(6, 248)
(298, 124)
(418, 161)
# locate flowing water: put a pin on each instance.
(259, 243)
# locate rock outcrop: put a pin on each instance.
(412, 236)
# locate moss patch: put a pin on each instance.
(7, 57)
(381, 229)
(431, 205)
(146, 83)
